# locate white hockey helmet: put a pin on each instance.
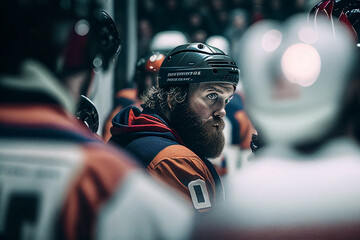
(167, 40)
(219, 42)
(294, 77)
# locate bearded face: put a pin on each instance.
(204, 137)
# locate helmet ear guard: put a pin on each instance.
(195, 63)
(95, 48)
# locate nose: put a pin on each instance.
(221, 113)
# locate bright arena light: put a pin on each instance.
(271, 40)
(301, 64)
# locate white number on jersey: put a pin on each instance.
(199, 194)
(33, 182)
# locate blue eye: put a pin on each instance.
(228, 100)
(212, 96)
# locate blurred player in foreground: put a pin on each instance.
(57, 180)
(305, 182)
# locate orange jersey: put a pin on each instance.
(185, 171)
(163, 153)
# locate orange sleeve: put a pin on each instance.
(178, 170)
(101, 175)
(246, 129)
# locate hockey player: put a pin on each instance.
(57, 180)
(181, 124)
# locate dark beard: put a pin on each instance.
(204, 139)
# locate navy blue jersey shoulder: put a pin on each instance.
(234, 105)
(39, 133)
(144, 142)
(146, 148)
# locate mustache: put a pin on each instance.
(216, 122)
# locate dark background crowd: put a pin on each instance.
(200, 19)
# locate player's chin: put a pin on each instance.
(218, 125)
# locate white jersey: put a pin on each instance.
(284, 195)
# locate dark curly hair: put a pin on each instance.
(156, 97)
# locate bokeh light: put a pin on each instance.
(271, 40)
(301, 64)
(82, 27)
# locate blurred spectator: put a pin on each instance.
(145, 36)
(199, 35)
(219, 16)
(214, 15)
(239, 22)
(148, 9)
(171, 16)
(300, 6)
(277, 10)
(197, 26)
(244, 4)
(257, 11)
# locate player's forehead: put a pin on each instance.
(218, 87)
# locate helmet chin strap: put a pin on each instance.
(86, 109)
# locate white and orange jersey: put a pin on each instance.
(58, 181)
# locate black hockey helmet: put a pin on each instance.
(64, 35)
(197, 62)
(109, 40)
